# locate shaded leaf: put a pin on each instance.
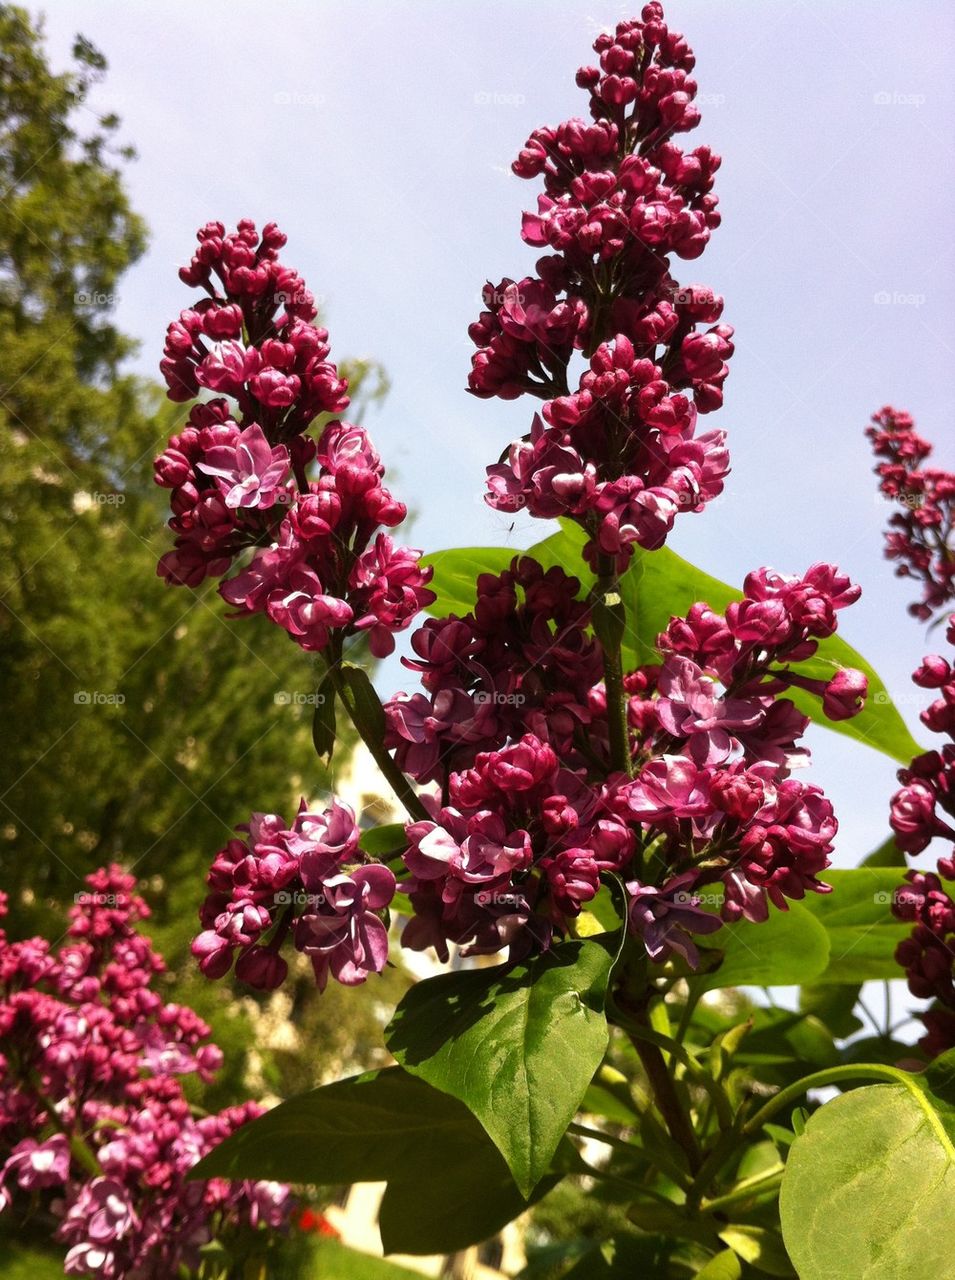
(380, 842)
(517, 1044)
(324, 730)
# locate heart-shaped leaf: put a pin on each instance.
(517, 1044)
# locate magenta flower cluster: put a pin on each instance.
(311, 880)
(921, 812)
(527, 816)
(93, 1118)
(529, 801)
(522, 661)
(921, 531)
(620, 454)
(531, 813)
(246, 475)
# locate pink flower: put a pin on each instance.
(665, 918)
(345, 937)
(299, 605)
(913, 817)
(691, 708)
(669, 787)
(226, 367)
(844, 696)
(38, 1164)
(252, 474)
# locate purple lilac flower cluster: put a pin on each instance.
(531, 814)
(528, 802)
(246, 475)
(620, 454)
(93, 1118)
(920, 534)
(921, 812)
(310, 879)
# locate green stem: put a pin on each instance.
(633, 1020)
(726, 1144)
(607, 596)
(389, 769)
(854, 1071)
(749, 1188)
(698, 1074)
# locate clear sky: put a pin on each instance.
(379, 136)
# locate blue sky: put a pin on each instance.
(380, 138)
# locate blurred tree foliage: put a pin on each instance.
(140, 722)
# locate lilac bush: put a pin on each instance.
(599, 772)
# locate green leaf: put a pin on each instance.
(324, 729)
(762, 1249)
(461, 1204)
(869, 1186)
(833, 1004)
(367, 1128)
(723, 1266)
(380, 842)
(789, 947)
(384, 1126)
(625, 1257)
(517, 1044)
(939, 1077)
(660, 585)
(888, 854)
(857, 917)
(368, 713)
(455, 575)
(22, 1261)
(448, 1186)
(781, 1037)
(883, 1049)
(335, 1261)
(613, 1105)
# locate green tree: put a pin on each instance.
(142, 723)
